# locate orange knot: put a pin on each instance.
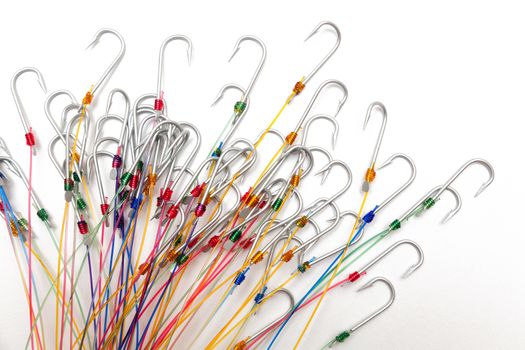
(294, 181)
(75, 157)
(299, 86)
(143, 268)
(370, 175)
(257, 257)
(303, 220)
(87, 99)
(14, 231)
(290, 138)
(240, 345)
(151, 180)
(287, 256)
(171, 255)
(207, 200)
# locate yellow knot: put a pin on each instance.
(253, 201)
(303, 220)
(257, 258)
(171, 255)
(75, 157)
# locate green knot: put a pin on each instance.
(68, 185)
(341, 337)
(125, 178)
(76, 177)
(239, 107)
(303, 267)
(140, 165)
(124, 195)
(235, 235)
(181, 259)
(23, 223)
(429, 203)
(395, 225)
(81, 203)
(277, 204)
(42, 214)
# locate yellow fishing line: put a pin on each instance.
(166, 301)
(334, 273)
(213, 343)
(66, 210)
(148, 213)
(242, 322)
(49, 275)
(256, 145)
(88, 197)
(265, 278)
(274, 216)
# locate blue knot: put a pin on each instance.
(370, 216)
(259, 297)
(135, 204)
(241, 277)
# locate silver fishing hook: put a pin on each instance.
(259, 66)
(113, 65)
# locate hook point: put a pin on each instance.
(334, 139)
(447, 217)
(409, 272)
(481, 189)
(233, 53)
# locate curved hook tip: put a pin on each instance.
(409, 271)
(385, 164)
(217, 99)
(366, 285)
(189, 53)
(334, 139)
(42, 84)
(449, 216)
(235, 50)
(340, 105)
(482, 188)
(324, 170)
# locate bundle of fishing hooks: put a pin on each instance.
(153, 245)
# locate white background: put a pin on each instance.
(451, 74)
